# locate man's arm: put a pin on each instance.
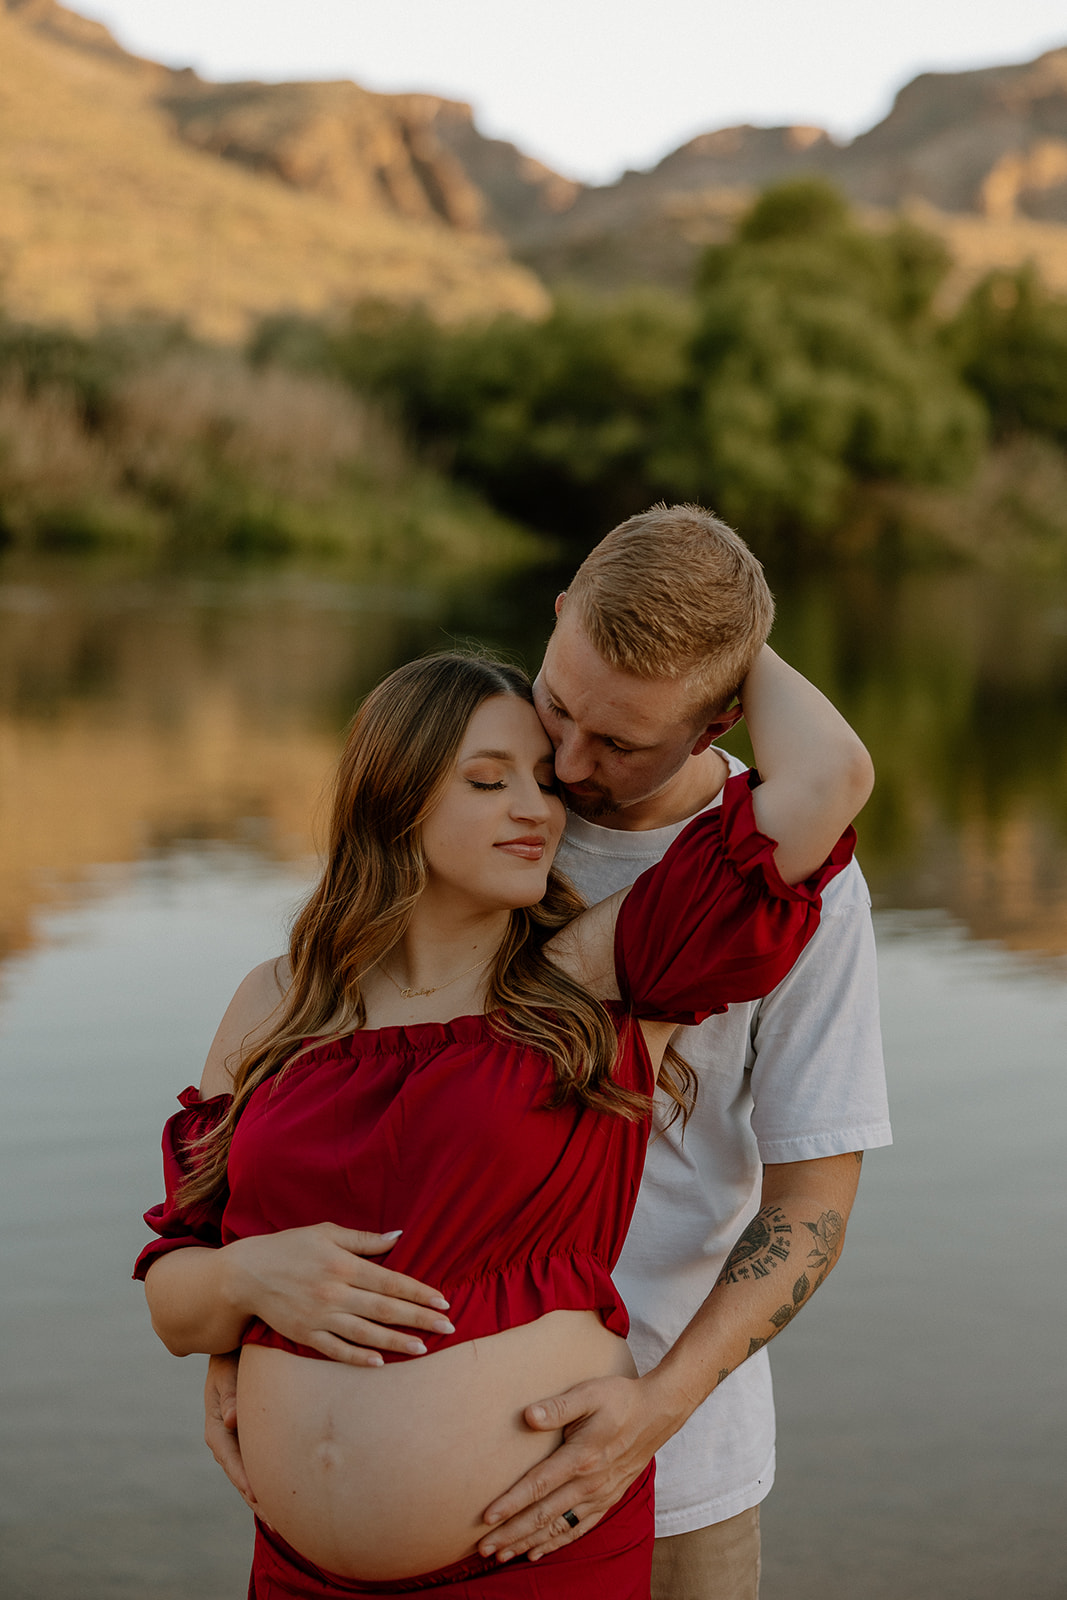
(614, 1426)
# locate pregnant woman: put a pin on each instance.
(452, 1048)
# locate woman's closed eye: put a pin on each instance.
(546, 785)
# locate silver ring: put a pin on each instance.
(570, 1519)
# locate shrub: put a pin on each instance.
(142, 437)
(814, 369)
(1009, 340)
(559, 421)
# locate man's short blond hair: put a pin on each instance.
(674, 593)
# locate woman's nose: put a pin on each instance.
(530, 803)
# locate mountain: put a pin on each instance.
(992, 142)
(128, 188)
(980, 157)
(409, 155)
(114, 200)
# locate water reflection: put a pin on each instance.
(958, 682)
(163, 744)
(139, 713)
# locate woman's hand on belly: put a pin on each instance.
(385, 1474)
(314, 1286)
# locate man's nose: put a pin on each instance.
(574, 757)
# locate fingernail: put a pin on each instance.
(393, 1234)
(442, 1325)
(538, 1413)
(535, 1555)
(375, 1361)
(488, 1549)
(505, 1555)
(415, 1347)
(439, 1303)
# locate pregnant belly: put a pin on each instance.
(384, 1472)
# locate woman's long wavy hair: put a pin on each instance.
(399, 754)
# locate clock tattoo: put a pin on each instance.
(764, 1245)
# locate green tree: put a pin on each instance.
(807, 365)
(560, 422)
(1009, 339)
(815, 369)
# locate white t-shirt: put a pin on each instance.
(794, 1077)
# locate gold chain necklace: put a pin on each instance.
(411, 994)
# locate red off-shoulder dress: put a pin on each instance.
(511, 1208)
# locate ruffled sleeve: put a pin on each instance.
(180, 1224)
(713, 922)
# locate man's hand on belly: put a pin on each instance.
(612, 1428)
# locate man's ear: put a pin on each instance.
(715, 730)
(559, 601)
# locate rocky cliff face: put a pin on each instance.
(114, 200)
(55, 23)
(981, 155)
(992, 142)
(412, 155)
(339, 193)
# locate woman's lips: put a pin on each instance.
(529, 849)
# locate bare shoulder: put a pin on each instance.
(585, 948)
(249, 1014)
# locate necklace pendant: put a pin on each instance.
(416, 994)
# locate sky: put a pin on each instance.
(592, 87)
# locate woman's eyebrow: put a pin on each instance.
(546, 760)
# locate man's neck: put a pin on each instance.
(691, 789)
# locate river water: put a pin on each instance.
(164, 740)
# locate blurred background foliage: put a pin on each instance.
(141, 436)
(813, 388)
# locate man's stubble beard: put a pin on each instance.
(592, 808)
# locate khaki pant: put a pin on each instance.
(716, 1563)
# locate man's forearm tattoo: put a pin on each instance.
(826, 1235)
(784, 1314)
(764, 1245)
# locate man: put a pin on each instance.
(742, 1211)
